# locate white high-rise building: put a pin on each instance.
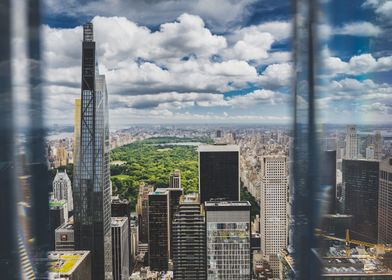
(351, 142)
(228, 240)
(62, 189)
(274, 208)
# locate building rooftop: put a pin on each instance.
(360, 262)
(191, 198)
(118, 221)
(117, 200)
(163, 191)
(227, 203)
(218, 148)
(387, 164)
(56, 203)
(65, 262)
(66, 226)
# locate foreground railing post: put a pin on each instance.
(305, 159)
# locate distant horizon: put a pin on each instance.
(69, 128)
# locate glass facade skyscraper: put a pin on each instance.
(385, 202)
(158, 247)
(188, 244)
(228, 240)
(360, 184)
(92, 201)
(219, 174)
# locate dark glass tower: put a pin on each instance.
(174, 195)
(219, 177)
(328, 178)
(158, 247)
(360, 184)
(188, 246)
(91, 185)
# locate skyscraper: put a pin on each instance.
(122, 208)
(328, 179)
(175, 179)
(162, 204)
(360, 184)
(378, 146)
(385, 202)
(120, 248)
(351, 142)
(273, 208)
(173, 196)
(64, 237)
(188, 244)
(158, 247)
(219, 173)
(228, 240)
(62, 189)
(91, 186)
(58, 215)
(76, 143)
(142, 211)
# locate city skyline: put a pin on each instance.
(175, 139)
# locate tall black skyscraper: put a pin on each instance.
(162, 205)
(328, 178)
(188, 242)
(173, 196)
(158, 247)
(219, 176)
(91, 182)
(360, 184)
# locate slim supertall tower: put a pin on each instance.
(92, 187)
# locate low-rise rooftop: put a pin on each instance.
(65, 262)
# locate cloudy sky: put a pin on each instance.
(222, 61)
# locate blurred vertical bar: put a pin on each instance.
(36, 144)
(9, 257)
(305, 169)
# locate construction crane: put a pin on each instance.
(380, 248)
